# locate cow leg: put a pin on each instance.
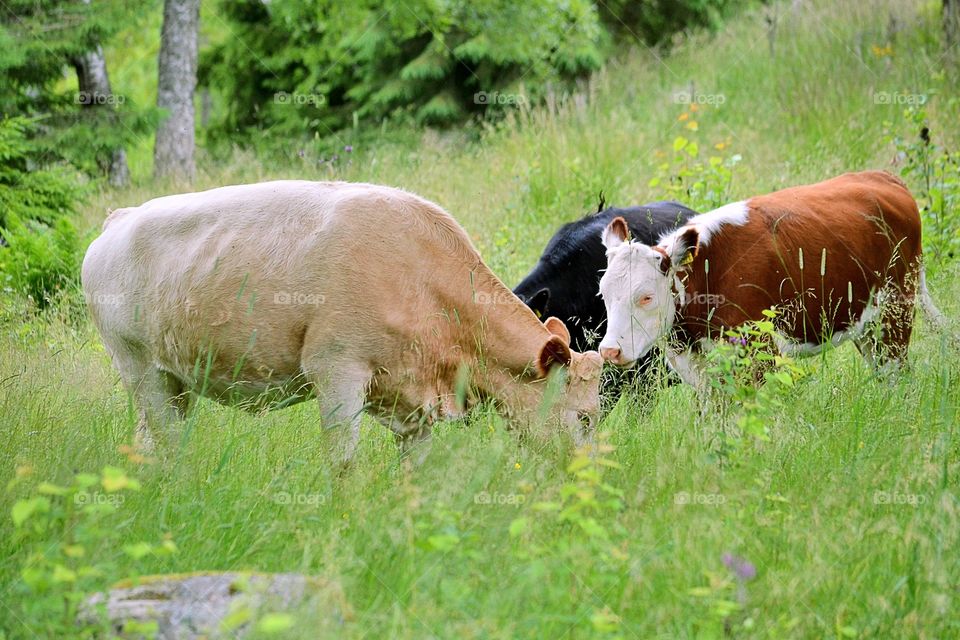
(159, 397)
(896, 326)
(884, 346)
(689, 367)
(685, 364)
(341, 393)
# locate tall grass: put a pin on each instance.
(848, 514)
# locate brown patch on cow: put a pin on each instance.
(822, 251)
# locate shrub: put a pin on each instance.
(40, 251)
(314, 67)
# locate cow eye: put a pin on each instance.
(643, 301)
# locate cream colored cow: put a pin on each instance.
(364, 296)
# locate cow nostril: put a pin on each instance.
(610, 354)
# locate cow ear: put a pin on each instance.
(616, 233)
(684, 247)
(538, 303)
(554, 351)
(557, 328)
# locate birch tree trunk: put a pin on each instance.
(177, 79)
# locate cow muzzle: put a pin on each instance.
(613, 354)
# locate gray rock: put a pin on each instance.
(207, 605)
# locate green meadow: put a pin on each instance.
(841, 521)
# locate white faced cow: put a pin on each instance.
(834, 257)
(364, 296)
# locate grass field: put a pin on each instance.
(845, 523)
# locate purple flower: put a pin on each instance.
(348, 148)
(743, 569)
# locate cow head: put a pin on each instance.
(578, 405)
(638, 289)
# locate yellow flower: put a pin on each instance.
(720, 146)
(694, 106)
(692, 125)
(516, 466)
(683, 116)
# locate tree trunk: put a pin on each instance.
(951, 22)
(95, 93)
(177, 79)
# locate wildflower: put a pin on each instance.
(683, 116)
(741, 568)
(348, 148)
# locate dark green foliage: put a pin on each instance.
(654, 21)
(317, 66)
(41, 251)
(314, 66)
(40, 42)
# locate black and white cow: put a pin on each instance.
(566, 280)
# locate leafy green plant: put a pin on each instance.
(935, 174)
(699, 178)
(750, 377)
(40, 252)
(63, 531)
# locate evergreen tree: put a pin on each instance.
(42, 44)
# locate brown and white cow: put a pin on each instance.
(364, 296)
(838, 258)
